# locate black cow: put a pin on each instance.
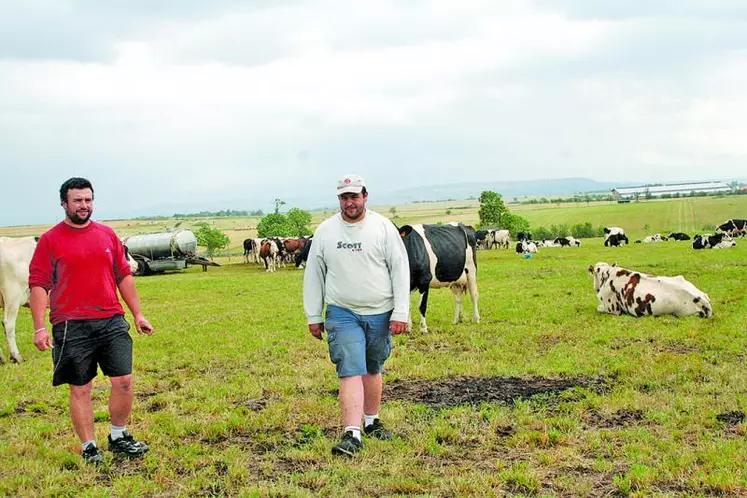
(303, 256)
(451, 250)
(615, 240)
(482, 239)
(733, 227)
(716, 241)
(523, 236)
(679, 236)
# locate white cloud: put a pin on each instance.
(225, 101)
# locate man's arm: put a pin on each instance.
(313, 289)
(399, 273)
(38, 303)
(129, 294)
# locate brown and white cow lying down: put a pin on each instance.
(622, 291)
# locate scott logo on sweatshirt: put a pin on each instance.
(353, 246)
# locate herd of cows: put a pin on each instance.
(442, 256)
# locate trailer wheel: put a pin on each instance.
(142, 267)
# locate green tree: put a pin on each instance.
(514, 223)
(211, 238)
(491, 209)
(393, 211)
(274, 225)
(299, 220)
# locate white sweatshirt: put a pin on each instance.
(359, 266)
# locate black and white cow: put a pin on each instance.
(525, 246)
(442, 256)
(657, 237)
(679, 236)
(249, 249)
(615, 239)
(716, 241)
(482, 239)
(733, 227)
(500, 238)
(523, 236)
(610, 231)
(567, 242)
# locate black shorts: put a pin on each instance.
(80, 346)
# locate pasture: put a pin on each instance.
(688, 215)
(544, 397)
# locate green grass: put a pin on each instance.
(236, 398)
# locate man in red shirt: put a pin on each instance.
(77, 267)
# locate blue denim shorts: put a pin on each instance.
(358, 344)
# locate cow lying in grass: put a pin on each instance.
(622, 291)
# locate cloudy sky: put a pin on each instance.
(162, 102)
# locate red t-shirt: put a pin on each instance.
(80, 268)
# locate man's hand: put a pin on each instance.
(42, 341)
(316, 329)
(397, 327)
(143, 326)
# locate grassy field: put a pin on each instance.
(544, 397)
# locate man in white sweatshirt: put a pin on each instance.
(358, 267)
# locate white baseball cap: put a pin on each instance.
(350, 184)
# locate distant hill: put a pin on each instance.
(457, 191)
(509, 190)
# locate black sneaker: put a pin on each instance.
(348, 445)
(378, 431)
(92, 455)
(128, 446)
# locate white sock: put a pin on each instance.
(369, 419)
(87, 443)
(355, 430)
(118, 432)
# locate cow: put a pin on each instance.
(500, 238)
(303, 256)
(292, 247)
(523, 236)
(481, 236)
(525, 246)
(567, 242)
(269, 253)
(679, 236)
(657, 237)
(249, 250)
(15, 257)
(615, 240)
(622, 291)
(130, 260)
(733, 227)
(716, 241)
(610, 231)
(442, 256)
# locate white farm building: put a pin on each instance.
(680, 189)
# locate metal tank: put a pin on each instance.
(162, 245)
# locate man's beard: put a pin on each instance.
(77, 220)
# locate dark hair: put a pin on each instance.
(74, 183)
(364, 191)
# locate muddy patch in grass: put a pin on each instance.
(462, 390)
(620, 418)
(255, 405)
(731, 418)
